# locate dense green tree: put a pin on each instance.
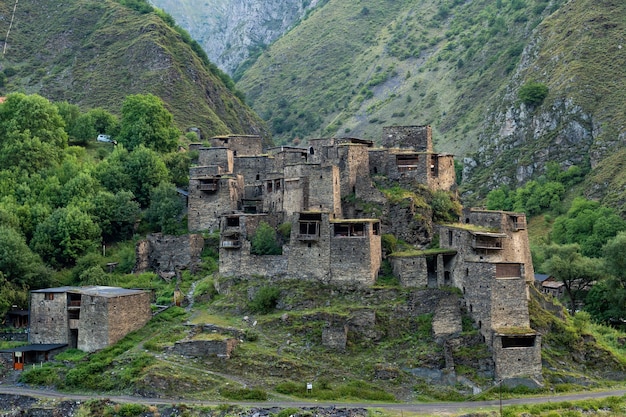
(116, 214)
(588, 224)
(18, 264)
(146, 121)
(112, 172)
(10, 295)
(146, 170)
(575, 271)
(65, 236)
(93, 123)
(166, 207)
(264, 241)
(32, 133)
(178, 164)
(70, 114)
(499, 199)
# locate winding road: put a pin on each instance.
(441, 408)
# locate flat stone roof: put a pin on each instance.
(96, 290)
(34, 348)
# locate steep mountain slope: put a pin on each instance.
(231, 31)
(350, 68)
(94, 53)
(580, 54)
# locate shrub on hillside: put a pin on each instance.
(533, 93)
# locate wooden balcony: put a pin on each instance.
(208, 187)
(308, 237)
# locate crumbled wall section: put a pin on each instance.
(335, 336)
(240, 144)
(167, 253)
(447, 318)
(418, 138)
(205, 348)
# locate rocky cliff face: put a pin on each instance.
(231, 30)
(576, 53)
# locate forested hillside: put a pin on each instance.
(95, 53)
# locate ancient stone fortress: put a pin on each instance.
(236, 185)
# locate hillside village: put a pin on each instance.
(237, 186)
(322, 200)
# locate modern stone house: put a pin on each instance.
(87, 318)
(485, 255)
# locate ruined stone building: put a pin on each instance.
(235, 187)
(86, 318)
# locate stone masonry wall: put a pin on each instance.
(221, 157)
(411, 271)
(48, 318)
(93, 327)
(168, 253)
(445, 177)
(239, 144)
(418, 138)
(355, 259)
(310, 258)
(205, 348)
(127, 314)
(205, 207)
(517, 362)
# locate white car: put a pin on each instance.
(106, 138)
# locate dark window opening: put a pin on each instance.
(258, 177)
(270, 186)
(311, 150)
(376, 229)
(450, 237)
(208, 185)
(232, 221)
(406, 162)
(349, 229)
(434, 166)
(375, 170)
(49, 296)
(518, 341)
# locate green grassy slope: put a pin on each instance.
(94, 53)
(351, 68)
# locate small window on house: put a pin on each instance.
(518, 341)
(450, 237)
(375, 170)
(377, 229)
(311, 150)
(49, 296)
(232, 221)
(258, 177)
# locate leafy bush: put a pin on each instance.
(264, 241)
(264, 300)
(533, 93)
(445, 207)
(47, 375)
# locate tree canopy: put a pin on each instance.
(146, 121)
